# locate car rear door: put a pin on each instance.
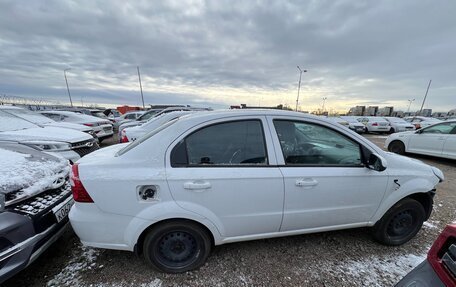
(449, 147)
(225, 170)
(326, 183)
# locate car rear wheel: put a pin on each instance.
(176, 247)
(397, 147)
(400, 224)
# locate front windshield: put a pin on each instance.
(9, 122)
(28, 115)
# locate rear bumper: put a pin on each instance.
(105, 230)
(422, 276)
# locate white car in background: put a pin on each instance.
(127, 117)
(436, 140)
(67, 143)
(399, 125)
(422, 122)
(354, 125)
(375, 124)
(44, 121)
(102, 128)
(226, 176)
(133, 133)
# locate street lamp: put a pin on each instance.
(299, 85)
(323, 107)
(68, 88)
(410, 103)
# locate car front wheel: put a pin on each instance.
(176, 247)
(400, 223)
(397, 147)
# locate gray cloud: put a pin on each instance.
(195, 51)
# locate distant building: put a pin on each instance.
(425, 113)
(244, 106)
(385, 112)
(398, 114)
(371, 111)
(356, 111)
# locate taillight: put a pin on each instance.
(442, 255)
(123, 138)
(79, 192)
(89, 124)
(375, 124)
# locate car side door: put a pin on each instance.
(225, 170)
(326, 182)
(449, 147)
(429, 140)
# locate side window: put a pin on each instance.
(130, 116)
(230, 143)
(310, 144)
(444, 128)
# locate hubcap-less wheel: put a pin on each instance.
(397, 147)
(401, 224)
(177, 249)
(177, 246)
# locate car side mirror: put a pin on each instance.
(420, 131)
(376, 162)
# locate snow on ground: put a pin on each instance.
(83, 259)
(379, 270)
(154, 283)
(430, 224)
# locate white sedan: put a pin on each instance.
(436, 140)
(219, 177)
(422, 122)
(399, 125)
(375, 124)
(102, 128)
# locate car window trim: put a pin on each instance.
(267, 164)
(362, 149)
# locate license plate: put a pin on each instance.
(61, 211)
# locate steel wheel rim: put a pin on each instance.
(177, 249)
(402, 224)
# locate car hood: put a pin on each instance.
(72, 126)
(46, 133)
(26, 171)
(397, 162)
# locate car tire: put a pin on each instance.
(176, 246)
(400, 223)
(397, 147)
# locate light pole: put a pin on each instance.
(299, 86)
(68, 88)
(323, 107)
(140, 86)
(410, 103)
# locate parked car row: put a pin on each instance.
(194, 178)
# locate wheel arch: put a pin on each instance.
(138, 248)
(397, 140)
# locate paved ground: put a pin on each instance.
(342, 258)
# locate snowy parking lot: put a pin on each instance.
(341, 258)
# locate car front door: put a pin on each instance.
(326, 182)
(224, 171)
(430, 140)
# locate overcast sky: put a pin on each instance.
(221, 53)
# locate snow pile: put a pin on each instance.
(430, 224)
(23, 171)
(154, 283)
(71, 274)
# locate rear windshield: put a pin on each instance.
(9, 122)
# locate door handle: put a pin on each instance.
(307, 182)
(197, 185)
